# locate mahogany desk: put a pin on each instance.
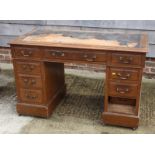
(39, 57)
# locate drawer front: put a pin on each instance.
(31, 68)
(126, 59)
(79, 55)
(124, 74)
(123, 90)
(27, 53)
(30, 82)
(31, 96)
(96, 57)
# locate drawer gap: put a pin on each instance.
(122, 105)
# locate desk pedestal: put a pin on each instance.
(39, 98)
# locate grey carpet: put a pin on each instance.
(80, 110)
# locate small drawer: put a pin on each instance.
(30, 82)
(126, 59)
(31, 68)
(27, 53)
(123, 90)
(124, 74)
(31, 96)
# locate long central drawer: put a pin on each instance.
(77, 55)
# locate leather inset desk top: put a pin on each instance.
(85, 39)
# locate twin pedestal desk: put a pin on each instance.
(39, 57)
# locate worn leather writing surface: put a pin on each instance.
(85, 39)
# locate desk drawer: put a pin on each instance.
(31, 96)
(124, 74)
(123, 90)
(96, 57)
(31, 68)
(27, 53)
(30, 82)
(126, 59)
(79, 55)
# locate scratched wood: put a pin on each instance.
(85, 39)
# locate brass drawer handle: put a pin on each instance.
(31, 67)
(24, 67)
(123, 77)
(27, 54)
(57, 53)
(27, 81)
(31, 96)
(90, 59)
(122, 90)
(33, 82)
(28, 67)
(125, 60)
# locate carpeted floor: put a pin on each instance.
(80, 110)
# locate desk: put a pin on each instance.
(39, 57)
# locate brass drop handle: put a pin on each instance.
(57, 53)
(85, 56)
(123, 77)
(31, 96)
(34, 97)
(33, 81)
(26, 81)
(122, 91)
(125, 60)
(24, 67)
(31, 67)
(28, 67)
(90, 59)
(27, 54)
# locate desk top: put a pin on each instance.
(85, 40)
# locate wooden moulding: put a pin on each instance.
(130, 121)
(44, 111)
